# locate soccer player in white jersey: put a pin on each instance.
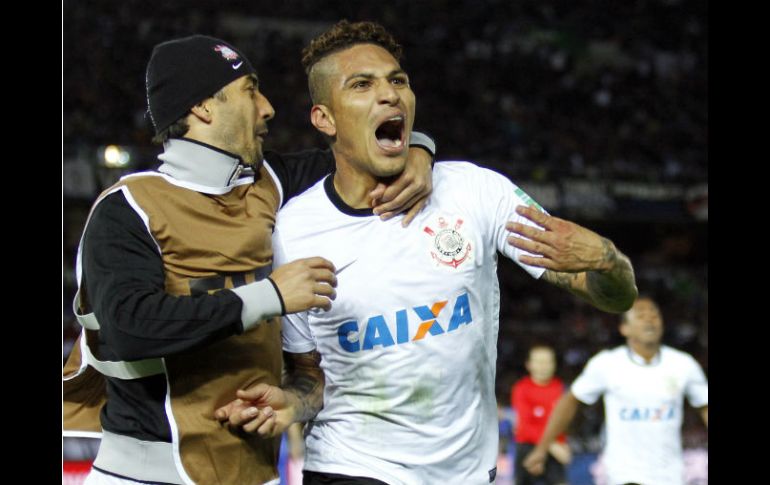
(643, 384)
(408, 348)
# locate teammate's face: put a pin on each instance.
(241, 120)
(371, 110)
(541, 364)
(644, 324)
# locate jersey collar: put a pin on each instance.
(340, 204)
(639, 360)
(204, 165)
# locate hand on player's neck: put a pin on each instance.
(353, 186)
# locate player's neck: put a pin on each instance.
(353, 186)
(541, 382)
(644, 350)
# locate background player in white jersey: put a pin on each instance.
(644, 384)
(408, 350)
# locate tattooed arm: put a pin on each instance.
(304, 382)
(612, 290)
(576, 259)
(268, 410)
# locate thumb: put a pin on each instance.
(221, 414)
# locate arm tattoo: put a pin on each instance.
(305, 380)
(565, 281)
(613, 290)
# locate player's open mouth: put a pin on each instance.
(390, 134)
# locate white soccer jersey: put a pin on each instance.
(410, 344)
(643, 411)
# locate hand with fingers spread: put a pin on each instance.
(409, 192)
(305, 284)
(561, 245)
(576, 259)
(262, 409)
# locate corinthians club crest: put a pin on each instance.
(226, 52)
(449, 247)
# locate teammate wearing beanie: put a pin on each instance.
(177, 293)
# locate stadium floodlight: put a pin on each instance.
(113, 156)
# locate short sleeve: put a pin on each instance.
(592, 382)
(696, 385)
(500, 199)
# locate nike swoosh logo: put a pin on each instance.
(236, 66)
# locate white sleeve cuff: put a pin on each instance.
(260, 302)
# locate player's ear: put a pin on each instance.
(202, 111)
(323, 119)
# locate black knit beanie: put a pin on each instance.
(184, 72)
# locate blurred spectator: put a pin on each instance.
(543, 88)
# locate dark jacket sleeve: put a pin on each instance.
(124, 280)
(298, 171)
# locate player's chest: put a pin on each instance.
(646, 387)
